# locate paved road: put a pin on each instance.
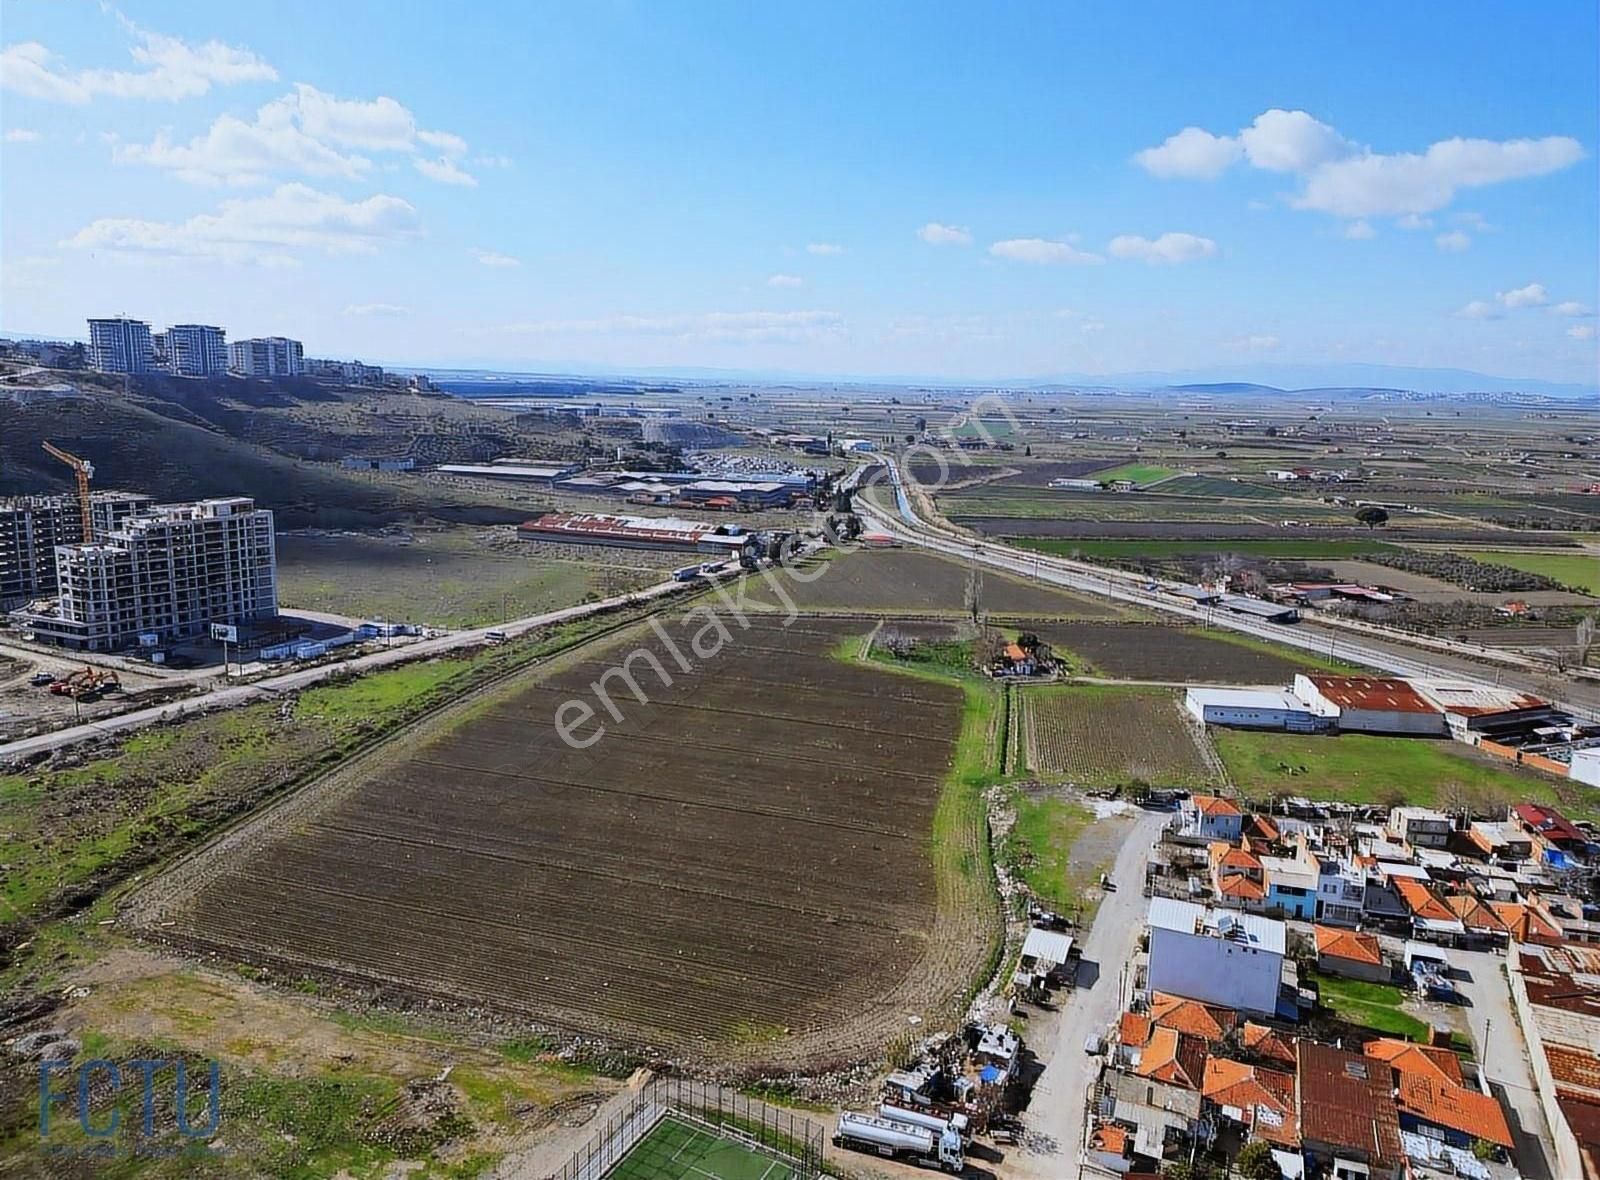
(1392, 656)
(271, 686)
(1054, 1119)
(1504, 1056)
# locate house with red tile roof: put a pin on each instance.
(1268, 1045)
(1350, 953)
(1528, 923)
(1550, 827)
(1347, 1110)
(1410, 1057)
(1429, 914)
(1237, 876)
(1209, 1022)
(1479, 918)
(1257, 1098)
(1459, 1114)
(1211, 817)
(1173, 1057)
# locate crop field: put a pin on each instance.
(450, 577)
(916, 582)
(1304, 547)
(744, 868)
(1222, 489)
(1581, 571)
(1177, 654)
(1098, 735)
(1136, 472)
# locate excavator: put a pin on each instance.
(87, 684)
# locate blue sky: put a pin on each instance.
(956, 191)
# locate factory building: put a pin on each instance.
(161, 575)
(1253, 708)
(1365, 704)
(632, 532)
(32, 526)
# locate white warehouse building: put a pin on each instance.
(1252, 708)
(1218, 956)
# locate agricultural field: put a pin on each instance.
(1100, 735)
(1136, 472)
(1221, 489)
(454, 576)
(1580, 571)
(742, 869)
(1306, 548)
(1174, 654)
(1368, 768)
(917, 582)
(1428, 589)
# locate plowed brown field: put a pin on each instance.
(741, 870)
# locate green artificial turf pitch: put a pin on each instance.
(675, 1150)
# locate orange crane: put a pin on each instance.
(84, 470)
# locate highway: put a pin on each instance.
(231, 696)
(1390, 656)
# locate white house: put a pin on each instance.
(1211, 817)
(1218, 956)
(1368, 704)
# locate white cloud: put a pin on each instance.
(1261, 343)
(937, 234)
(306, 132)
(1042, 251)
(494, 258)
(1360, 231)
(444, 170)
(377, 309)
(1414, 221)
(1572, 308)
(22, 135)
(1168, 248)
(1291, 141)
(1473, 221)
(826, 249)
(1373, 185)
(1533, 295)
(171, 69)
(268, 230)
(1480, 309)
(1192, 154)
(492, 161)
(737, 327)
(1453, 242)
(1581, 331)
(785, 281)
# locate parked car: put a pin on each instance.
(40, 679)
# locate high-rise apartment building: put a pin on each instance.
(32, 526)
(267, 356)
(165, 574)
(120, 345)
(197, 350)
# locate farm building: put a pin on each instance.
(1351, 954)
(1363, 704)
(630, 532)
(1221, 957)
(1045, 951)
(1271, 612)
(1475, 712)
(1252, 708)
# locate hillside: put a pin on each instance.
(186, 439)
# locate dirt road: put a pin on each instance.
(1054, 1118)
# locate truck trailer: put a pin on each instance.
(930, 1120)
(901, 1141)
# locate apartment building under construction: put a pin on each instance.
(32, 526)
(164, 574)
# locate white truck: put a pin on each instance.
(958, 1122)
(901, 1141)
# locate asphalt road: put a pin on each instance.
(1503, 1055)
(271, 686)
(1055, 1116)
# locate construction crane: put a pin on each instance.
(84, 470)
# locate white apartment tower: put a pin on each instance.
(267, 356)
(120, 345)
(197, 350)
(167, 573)
(32, 526)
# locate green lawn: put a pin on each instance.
(675, 1150)
(1039, 848)
(1371, 1005)
(1305, 547)
(1581, 571)
(1139, 473)
(1364, 768)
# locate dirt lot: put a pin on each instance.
(740, 870)
(1099, 735)
(1157, 651)
(456, 576)
(916, 582)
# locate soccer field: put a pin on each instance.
(675, 1150)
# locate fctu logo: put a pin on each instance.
(143, 1071)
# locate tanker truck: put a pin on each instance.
(901, 1141)
(938, 1124)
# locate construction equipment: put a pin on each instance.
(87, 680)
(84, 471)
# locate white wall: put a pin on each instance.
(1217, 970)
(1586, 766)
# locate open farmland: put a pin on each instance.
(916, 582)
(1176, 654)
(745, 868)
(1581, 571)
(1099, 735)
